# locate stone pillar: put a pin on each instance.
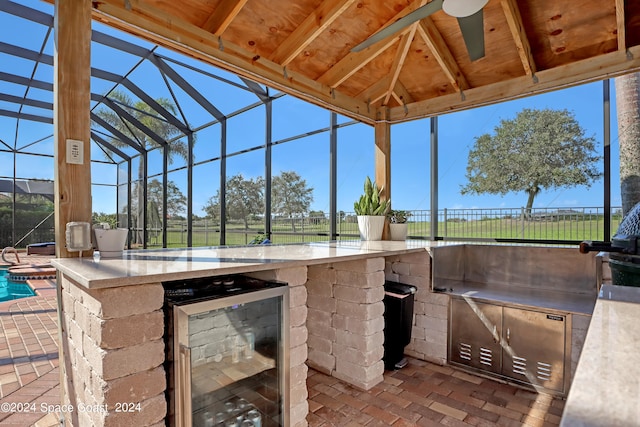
(322, 308)
(113, 351)
(346, 320)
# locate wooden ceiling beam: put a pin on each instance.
(605, 66)
(398, 61)
(375, 92)
(355, 61)
(167, 30)
(311, 27)
(621, 26)
(442, 54)
(516, 26)
(401, 94)
(225, 12)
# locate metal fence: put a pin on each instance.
(545, 224)
(566, 224)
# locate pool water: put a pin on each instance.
(12, 290)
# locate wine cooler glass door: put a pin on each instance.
(234, 360)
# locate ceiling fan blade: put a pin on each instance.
(416, 15)
(472, 28)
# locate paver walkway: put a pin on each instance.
(29, 375)
(424, 394)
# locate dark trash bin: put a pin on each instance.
(398, 320)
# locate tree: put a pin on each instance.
(290, 195)
(176, 201)
(212, 208)
(628, 109)
(538, 149)
(152, 120)
(244, 199)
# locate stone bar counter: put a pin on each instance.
(112, 324)
(606, 386)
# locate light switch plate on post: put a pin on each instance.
(75, 152)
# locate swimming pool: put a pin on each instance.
(12, 290)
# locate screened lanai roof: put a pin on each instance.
(27, 186)
(125, 71)
(313, 51)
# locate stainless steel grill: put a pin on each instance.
(624, 250)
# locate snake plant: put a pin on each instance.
(370, 202)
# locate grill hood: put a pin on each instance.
(625, 240)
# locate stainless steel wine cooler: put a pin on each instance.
(227, 352)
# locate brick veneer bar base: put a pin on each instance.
(114, 349)
(113, 352)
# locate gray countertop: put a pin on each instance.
(147, 266)
(564, 302)
(606, 386)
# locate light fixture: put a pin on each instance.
(462, 8)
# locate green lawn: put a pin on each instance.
(576, 230)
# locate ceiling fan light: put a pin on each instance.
(462, 8)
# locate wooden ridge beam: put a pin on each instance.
(514, 20)
(311, 27)
(167, 30)
(225, 12)
(589, 70)
(442, 54)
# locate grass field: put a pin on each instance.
(588, 228)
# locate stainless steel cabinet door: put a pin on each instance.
(534, 344)
(475, 334)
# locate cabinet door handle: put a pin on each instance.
(496, 336)
(508, 335)
(184, 398)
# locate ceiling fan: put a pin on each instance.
(468, 13)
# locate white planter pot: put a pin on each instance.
(371, 226)
(111, 243)
(398, 231)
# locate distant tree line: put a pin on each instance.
(245, 198)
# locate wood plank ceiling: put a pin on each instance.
(303, 47)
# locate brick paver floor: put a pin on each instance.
(424, 394)
(29, 375)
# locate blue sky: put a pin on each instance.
(309, 156)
